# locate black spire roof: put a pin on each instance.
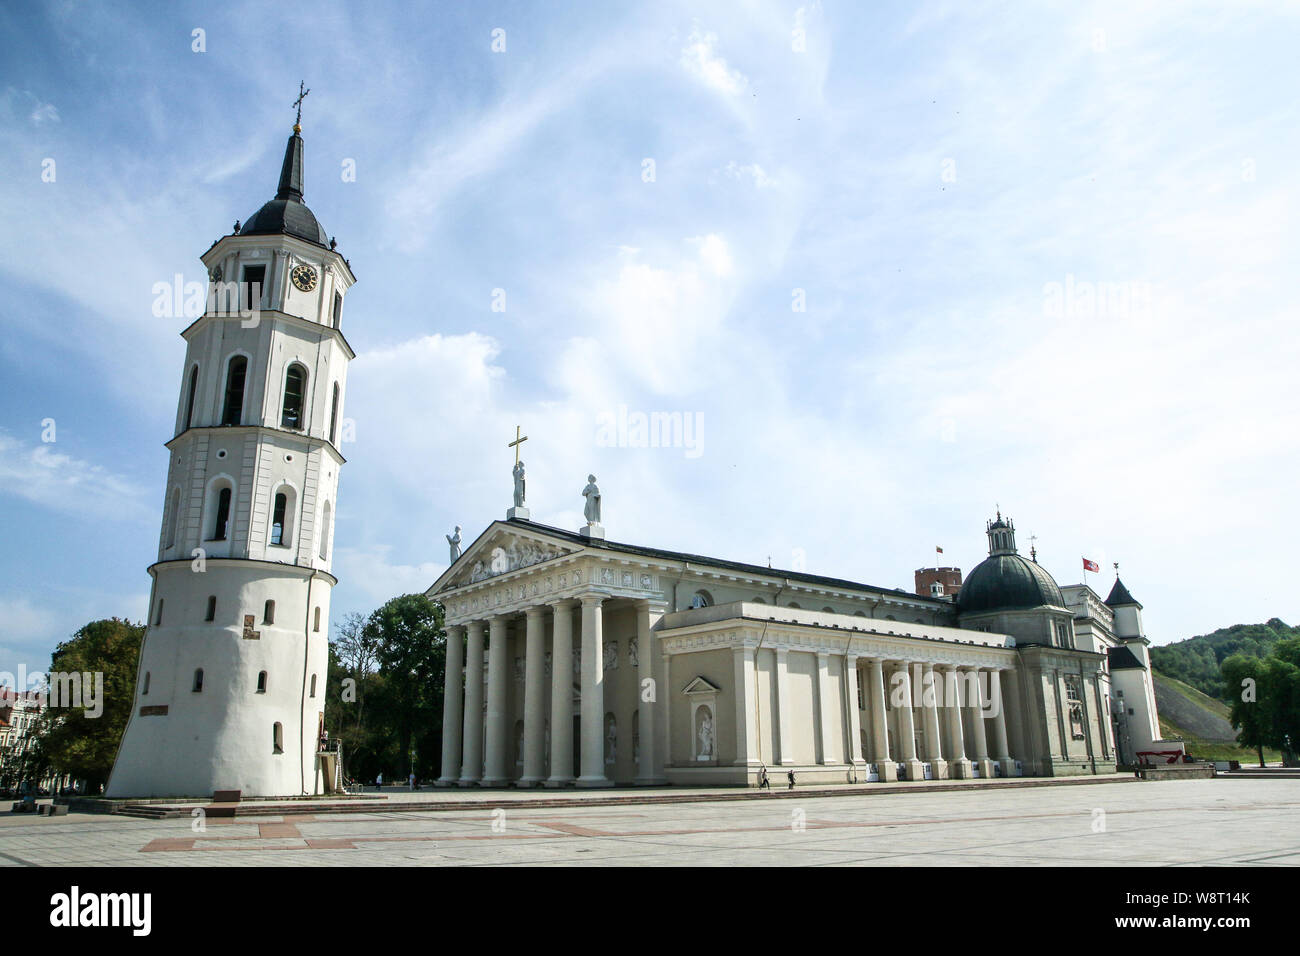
(286, 214)
(1119, 595)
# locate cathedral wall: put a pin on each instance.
(805, 729)
(716, 667)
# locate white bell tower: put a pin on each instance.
(230, 693)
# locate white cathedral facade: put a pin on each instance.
(571, 660)
(230, 693)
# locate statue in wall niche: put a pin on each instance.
(632, 651)
(592, 508)
(611, 656)
(706, 734)
(548, 663)
(454, 541)
(611, 739)
(518, 472)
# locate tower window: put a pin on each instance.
(222, 517)
(325, 531)
(157, 618)
(233, 410)
(251, 291)
(334, 416)
(212, 608)
(268, 613)
(189, 402)
(277, 738)
(261, 682)
(145, 689)
(338, 309)
(198, 681)
(316, 622)
(313, 686)
(173, 520)
(295, 386)
(277, 519)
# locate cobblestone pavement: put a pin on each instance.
(1195, 822)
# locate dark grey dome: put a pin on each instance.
(1007, 582)
(287, 214)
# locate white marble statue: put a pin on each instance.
(632, 653)
(592, 509)
(611, 655)
(611, 739)
(519, 484)
(706, 736)
(454, 541)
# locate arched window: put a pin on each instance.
(701, 599)
(325, 531)
(316, 623)
(277, 738)
(277, 518)
(261, 682)
(795, 606)
(268, 613)
(221, 518)
(233, 410)
(334, 416)
(144, 690)
(312, 692)
(174, 518)
(295, 388)
(338, 310)
(212, 608)
(189, 402)
(157, 618)
(198, 681)
(828, 609)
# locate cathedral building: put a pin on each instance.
(576, 660)
(230, 693)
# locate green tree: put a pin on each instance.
(72, 739)
(412, 652)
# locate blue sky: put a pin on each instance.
(933, 177)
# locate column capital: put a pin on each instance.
(564, 602)
(593, 598)
(647, 604)
(534, 611)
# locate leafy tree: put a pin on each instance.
(1265, 697)
(72, 740)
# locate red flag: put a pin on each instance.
(1091, 565)
(938, 550)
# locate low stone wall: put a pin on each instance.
(1176, 771)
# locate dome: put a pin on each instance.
(1007, 582)
(287, 214)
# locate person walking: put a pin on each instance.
(379, 781)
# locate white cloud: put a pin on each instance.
(51, 479)
(700, 59)
(752, 173)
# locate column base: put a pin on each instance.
(467, 782)
(526, 783)
(887, 771)
(494, 782)
(939, 769)
(555, 783)
(915, 770)
(1008, 766)
(986, 768)
(593, 783)
(446, 781)
(651, 781)
(959, 769)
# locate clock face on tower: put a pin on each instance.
(304, 277)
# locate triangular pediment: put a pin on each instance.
(498, 551)
(700, 686)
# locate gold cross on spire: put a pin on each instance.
(519, 440)
(302, 95)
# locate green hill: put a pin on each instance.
(1196, 660)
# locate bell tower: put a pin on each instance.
(230, 693)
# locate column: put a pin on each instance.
(979, 739)
(648, 773)
(885, 765)
(958, 763)
(999, 704)
(561, 695)
(783, 742)
(593, 694)
(452, 702)
(930, 712)
(498, 731)
(907, 726)
(742, 659)
(534, 698)
(853, 720)
(823, 711)
(472, 748)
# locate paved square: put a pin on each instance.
(1195, 822)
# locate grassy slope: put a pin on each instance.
(1209, 748)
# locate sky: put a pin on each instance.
(898, 265)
